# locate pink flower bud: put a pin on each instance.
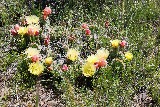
(87, 32)
(123, 43)
(84, 26)
(47, 11)
(102, 63)
(16, 27)
(35, 58)
(31, 31)
(13, 32)
(107, 24)
(64, 67)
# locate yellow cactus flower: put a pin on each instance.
(92, 59)
(129, 56)
(36, 68)
(102, 53)
(88, 69)
(72, 54)
(31, 52)
(48, 60)
(22, 30)
(32, 19)
(115, 43)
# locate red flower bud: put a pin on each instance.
(107, 24)
(123, 43)
(36, 33)
(46, 41)
(87, 32)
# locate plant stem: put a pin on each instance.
(37, 92)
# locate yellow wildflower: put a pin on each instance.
(115, 43)
(36, 68)
(88, 69)
(32, 19)
(31, 52)
(22, 30)
(92, 59)
(72, 54)
(128, 55)
(102, 53)
(48, 60)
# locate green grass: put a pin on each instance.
(113, 86)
